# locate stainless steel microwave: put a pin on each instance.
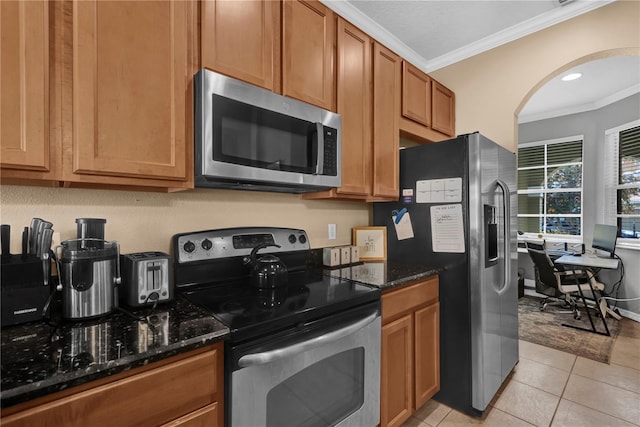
(250, 138)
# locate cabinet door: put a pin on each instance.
(242, 39)
(24, 85)
(130, 78)
(354, 104)
(308, 51)
(386, 115)
(416, 94)
(427, 356)
(443, 107)
(396, 381)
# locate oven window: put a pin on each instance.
(320, 395)
(251, 136)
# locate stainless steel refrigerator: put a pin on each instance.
(457, 211)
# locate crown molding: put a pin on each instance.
(515, 32)
(366, 24)
(354, 15)
(590, 106)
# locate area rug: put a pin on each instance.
(545, 328)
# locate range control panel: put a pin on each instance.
(232, 242)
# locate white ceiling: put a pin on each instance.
(603, 82)
(432, 34)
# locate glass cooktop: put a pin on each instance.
(249, 311)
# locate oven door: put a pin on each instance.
(325, 373)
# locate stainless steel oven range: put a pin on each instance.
(303, 350)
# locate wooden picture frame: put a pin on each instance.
(371, 242)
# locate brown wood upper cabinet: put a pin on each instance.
(443, 105)
(386, 139)
(242, 39)
(308, 51)
(304, 68)
(366, 71)
(24, 85)
(129, 85)
(416, 94)
(354, 105)
(107, 100)
(428, 107)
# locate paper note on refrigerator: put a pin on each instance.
(447, 228)
(448, 190)
(404, 228)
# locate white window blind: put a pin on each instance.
(621, 176)
(550, 187)
(610, 176)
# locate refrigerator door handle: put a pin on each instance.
(507, 234)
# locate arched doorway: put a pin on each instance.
(631, 51)
(594, 150)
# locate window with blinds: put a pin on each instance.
(550, 187)
(622, 179)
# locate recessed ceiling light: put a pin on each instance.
(572, 76)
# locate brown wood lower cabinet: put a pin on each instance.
(410, 361)
(185, 390)
(205, 417)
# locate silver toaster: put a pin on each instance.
(146, 279)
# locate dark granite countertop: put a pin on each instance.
(383, 274)
(39, 359)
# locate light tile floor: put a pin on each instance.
(552, 388)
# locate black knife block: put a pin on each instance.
(22, 290)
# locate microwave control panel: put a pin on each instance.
(330, 152)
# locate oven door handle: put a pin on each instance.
(282, 353)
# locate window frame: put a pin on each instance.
(611, 184)
(544, 191)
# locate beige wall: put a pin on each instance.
(492, 87)
(489, 90)
(146, 221)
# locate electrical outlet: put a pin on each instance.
(332, 232)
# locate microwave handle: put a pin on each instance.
(320, 154)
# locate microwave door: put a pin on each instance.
(245, 135)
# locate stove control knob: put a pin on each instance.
(292, 239)
(302, 239)
(189, 246)
(206, 244)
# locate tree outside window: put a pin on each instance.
(628, 183)
(550, 187)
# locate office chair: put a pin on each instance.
(555, 283)
(552, 292)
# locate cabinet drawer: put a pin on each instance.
(406, 299)
(205, 417)
(150, 398)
